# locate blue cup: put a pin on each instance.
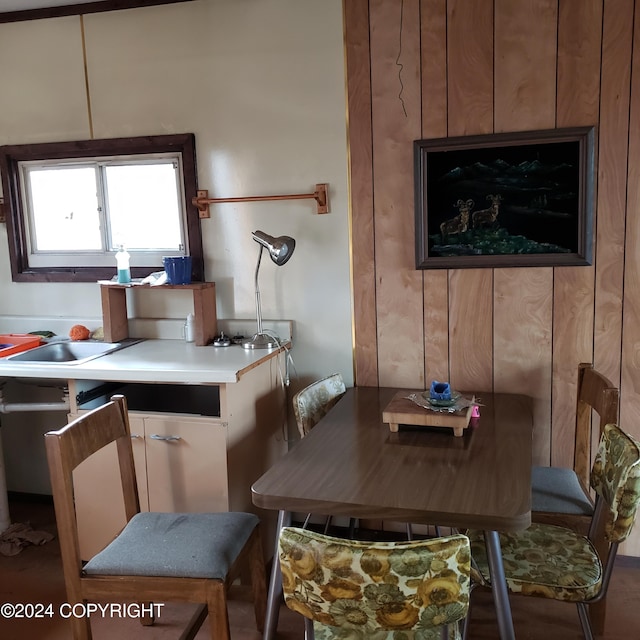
(178, 269)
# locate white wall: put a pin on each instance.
(261, 84)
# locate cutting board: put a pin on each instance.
(401, 410)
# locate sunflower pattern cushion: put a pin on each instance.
(555, 562)
(375, 591)
(618, 482)
(544, 560)
(314, 401)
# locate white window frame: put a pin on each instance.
(105, 257)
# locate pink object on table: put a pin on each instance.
(476, 412)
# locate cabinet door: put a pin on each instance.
(186, 464)
(98, 497)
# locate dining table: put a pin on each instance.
(352, 464)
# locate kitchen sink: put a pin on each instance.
(68, 352)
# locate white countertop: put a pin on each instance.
(172, 361)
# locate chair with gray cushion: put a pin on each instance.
(557, 491)
(561, 495)
(157, 557)
(548, 561)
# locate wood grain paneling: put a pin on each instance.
(522, 344)
(470, 83)
(525, 61)
(476, 68)
(630, 383)
(470, 67)
(525, 45)
(471, 328)
(357, 53)
(396, 109)
(579, 46)
(612, 185)
(433, 19)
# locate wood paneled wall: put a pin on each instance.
(442, 68)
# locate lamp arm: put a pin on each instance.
(258, 305)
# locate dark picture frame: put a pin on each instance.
(505, 200)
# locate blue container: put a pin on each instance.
(178, 269)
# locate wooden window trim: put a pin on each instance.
(11, 155)
(80, 9)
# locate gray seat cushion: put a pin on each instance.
(558, 490)
(187, 545)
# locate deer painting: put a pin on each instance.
(460, 223)
(487, 217)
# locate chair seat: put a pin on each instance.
(323, 632)
(152, 544)
(558, 490)
(565, 564)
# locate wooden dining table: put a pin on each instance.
(352, 464)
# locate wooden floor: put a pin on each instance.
(35, 576)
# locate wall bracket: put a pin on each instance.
(320, 195)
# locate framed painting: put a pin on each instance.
(505, 200)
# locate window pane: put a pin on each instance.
(144, 206)
(64, 209)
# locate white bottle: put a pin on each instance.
(122, 260)
(189, 328)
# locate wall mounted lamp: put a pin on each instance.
(280, 250)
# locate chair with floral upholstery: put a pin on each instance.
(310, 405)
(555, 562)
(313, 402)
(409, 590)
(560, 495)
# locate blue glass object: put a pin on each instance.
(440, 391)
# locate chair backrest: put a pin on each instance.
(313, 402)
(615, 478)
(71, 445)
(377, 586)
(595, 393)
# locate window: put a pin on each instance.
(71, 205)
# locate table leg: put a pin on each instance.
(499, 586)
(274, 596)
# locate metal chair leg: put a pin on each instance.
(499, 585)
(308, 630)
(583, 612)
(274, 597)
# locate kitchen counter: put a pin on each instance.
(171, 361)
(208, 421)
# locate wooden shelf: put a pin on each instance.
(116, 322)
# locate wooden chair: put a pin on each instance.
(555, 562)
(381, 590)
(182, 557)
(560, 495)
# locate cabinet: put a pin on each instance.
(185, 462)
(181, 466)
